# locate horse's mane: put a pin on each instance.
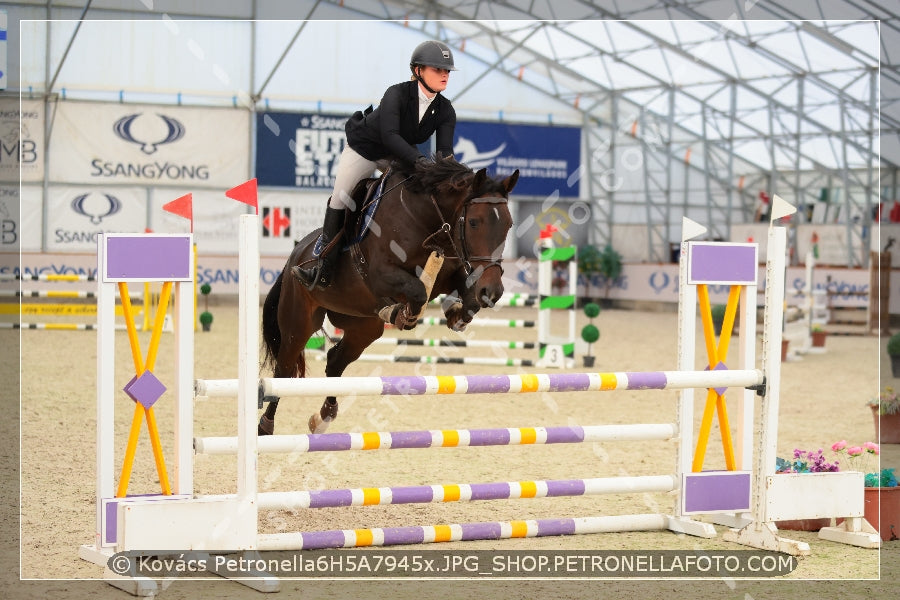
(442, 175)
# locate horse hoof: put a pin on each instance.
(266, 426)
(317, 424)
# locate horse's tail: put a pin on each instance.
(270, 331)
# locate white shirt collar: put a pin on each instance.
(424, 102)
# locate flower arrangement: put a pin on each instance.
(887, 403)
(861, 458)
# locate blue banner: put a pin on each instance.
(298, 150)
(546, 156)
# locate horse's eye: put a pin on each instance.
(473, 223)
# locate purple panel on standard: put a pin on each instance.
(328, 498)
(111, 522)
(481, 531)
(318, 540)
(416, 494)
(719, 263)
(716, 492)
(411, 439)
(572, 487)
(148, 258)
(403, 535)
(403, 386)
(720, 367)
(556, 527)
(145, 389)
(487, 384)
(564, 435)
(649, 380)
(488, 437)
(325, 442)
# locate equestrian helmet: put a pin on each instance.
(432, 54)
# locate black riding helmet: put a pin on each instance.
(432, 54)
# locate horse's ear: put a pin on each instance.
(510, 182)
(480, 178)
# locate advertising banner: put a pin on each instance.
(286, 217)
(298, 150)
(21, 140)
(545, 156)
(105, 144)
(76, 214)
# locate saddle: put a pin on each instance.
(367, 194)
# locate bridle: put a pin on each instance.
(464, 255)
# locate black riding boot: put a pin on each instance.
(322, 274)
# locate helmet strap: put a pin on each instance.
(421, 80)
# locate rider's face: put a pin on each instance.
(435, 78)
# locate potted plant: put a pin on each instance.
(610, 263)
(886, 414)
(206, 320)
(588, 265)
(206, 317)
(590, 333)
(818, 336)
(893, 350)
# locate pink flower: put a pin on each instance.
(838, 446)
(855, 450)
(872, 447)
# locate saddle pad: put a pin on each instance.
(366, 217)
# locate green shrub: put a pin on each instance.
(893, 345)
(590, 333)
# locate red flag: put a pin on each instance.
(246, 193)
(183, 207)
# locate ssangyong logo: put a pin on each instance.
(174, 131)
(150, 133)
(95, 209)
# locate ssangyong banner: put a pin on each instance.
(545, 156)
(299, 150)
(21, 140)
(103, 144)
(77, 214)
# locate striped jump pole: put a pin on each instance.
(47, 277)
(447, 360)
(449, 343)
(441, 438)
(495, 530)
(511, 383)
(512, 323)
(486, 384)
(467, 492)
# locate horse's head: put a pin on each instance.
(483, 224)
(474, 209)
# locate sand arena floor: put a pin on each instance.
(823, 400)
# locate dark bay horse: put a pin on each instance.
(444, 207)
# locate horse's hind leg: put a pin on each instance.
(359, 333)
(289, 361)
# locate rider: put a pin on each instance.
(409, 113)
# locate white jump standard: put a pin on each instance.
(747, 495)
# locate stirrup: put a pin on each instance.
(307, 277)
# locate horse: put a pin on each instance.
(442, 208)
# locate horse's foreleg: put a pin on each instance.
(400, 284)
